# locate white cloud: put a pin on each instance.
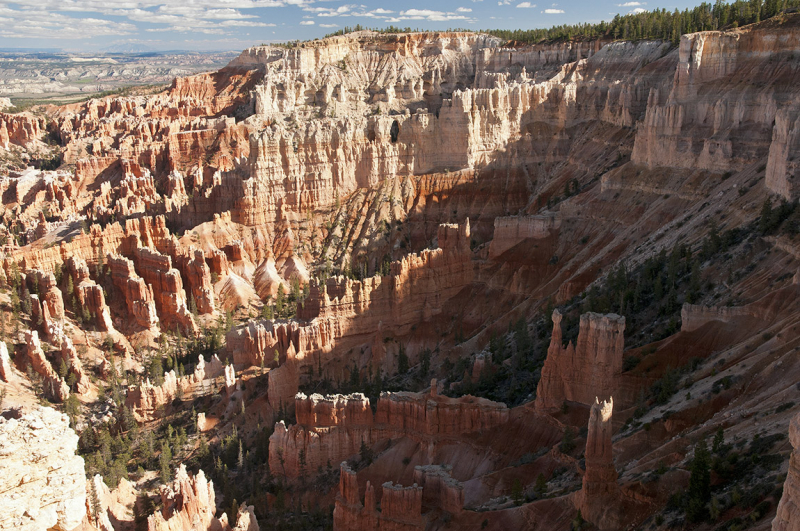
(632, 4)
(429, 14)
(525, 5)
(329, 25)
(550, 11)
(464, 10)
(306, 22)
(638, 10)
(38, 24)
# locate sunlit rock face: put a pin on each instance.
(42, 482)
(586, 370)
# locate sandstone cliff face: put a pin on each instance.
(20, 129)
(188, 503)
(167, 289)
(689, 126)
(582, 372)
(146, 400)
(51, 300)
(694, 316)
(599, 500)
(401, 507)
(194, 268)
(331, 429)
(788, 516)
(89, 295)
(138, 294)
(70, 357)
(54, 386)
(439, 490)
(42, 483)
(512, 230)
(342, 310)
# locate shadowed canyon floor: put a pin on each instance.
(417, 281)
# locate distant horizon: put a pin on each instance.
(91, 26)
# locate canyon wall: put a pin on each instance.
(401, 507)
(586, 370)
(690, 126)
(343, 311)
(331, 429)
(512, 230)
(694, 316)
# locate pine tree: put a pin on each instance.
(94, 499)
(540, 488)
(719, 441)
(765, 221)
(402, 361)
(516, 492)
(279, 301)
(164, 461)
(699, 492)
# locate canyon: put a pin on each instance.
(406, 281)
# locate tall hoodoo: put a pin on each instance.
(598, 499)
(788, 516)
(582, 372)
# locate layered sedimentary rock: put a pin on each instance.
(115, 505)
(510, 231)
(582, 372)
(54, 386)
(42, 482)
(331, 429)
(146, 400)
(401, 507)
(188, 503)
(788, 515)
(599, 499)
(332, 410)
(198, 274)
(20, 129)
(51, 300)
(70, 358)
(689, 126)
(246, 519)
(138, 294)
(342, 309)
(89, 295)
(439, 490)
(693, 316)
(167, 288)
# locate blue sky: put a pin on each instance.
(91, 25)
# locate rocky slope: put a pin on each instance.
(258, 271)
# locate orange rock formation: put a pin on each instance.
(582, 372)
(331, 429)
(401, 507)
(599, 499)
(788, 516)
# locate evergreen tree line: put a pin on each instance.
(659, 24)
